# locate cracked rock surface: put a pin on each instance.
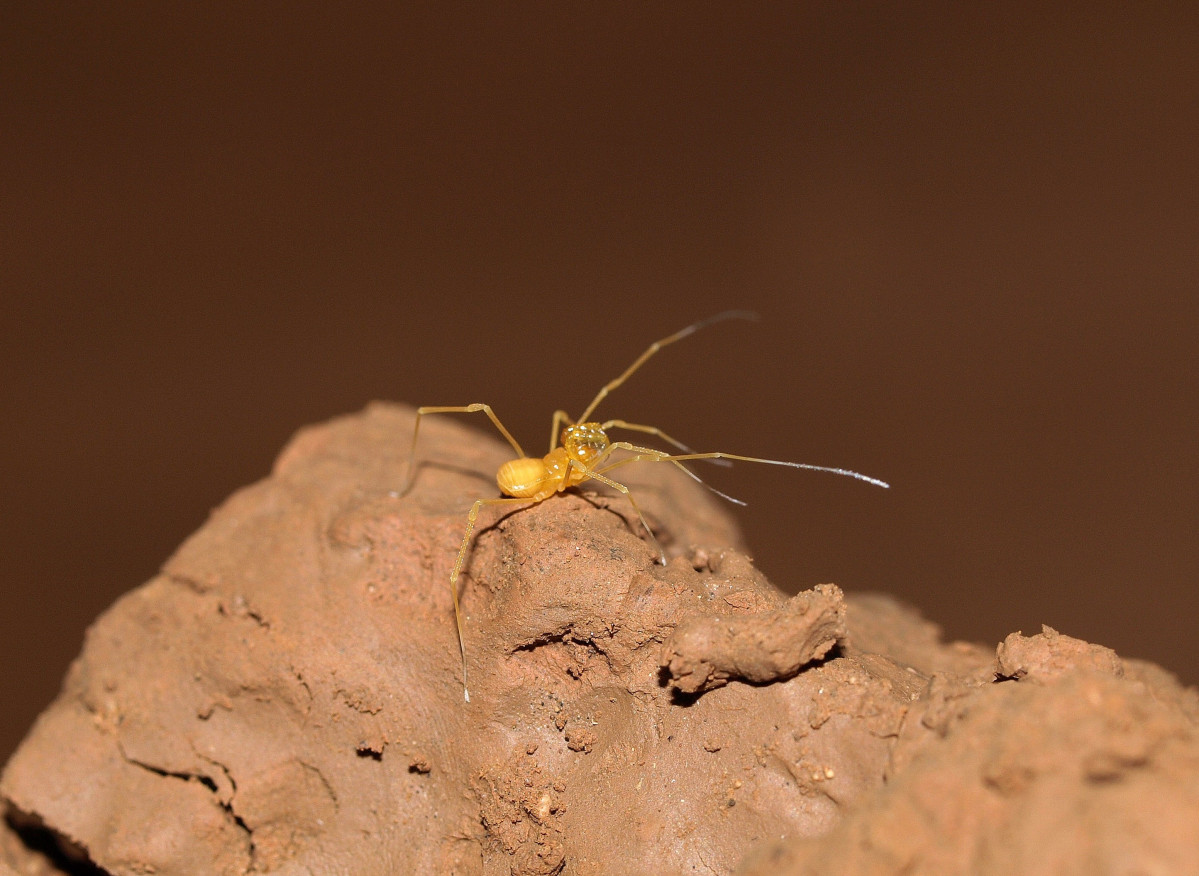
(285, 697)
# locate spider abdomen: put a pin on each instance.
(522, 478)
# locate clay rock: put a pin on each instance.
(1083, 766)
(1049, 655)
(285, 697)
(708, 650)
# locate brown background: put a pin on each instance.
(972, 234)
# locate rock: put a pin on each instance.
(1049, 655)
(1081, 769)
(286, 697)
(706, 650)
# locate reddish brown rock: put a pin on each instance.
(1086, 765)
(285, 697)
(707, 650)
(1050, 654)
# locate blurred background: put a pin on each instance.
(972, 232)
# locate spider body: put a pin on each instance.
(564, 466)
(531, 478)
(581, 451)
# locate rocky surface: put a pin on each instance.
(285, 697)
(1077, 762)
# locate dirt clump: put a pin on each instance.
(1068, 760)
(285, 697)
(706, 651)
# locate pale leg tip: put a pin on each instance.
(466, 694)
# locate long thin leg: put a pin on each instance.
(628, 495)
(658, 345)
(649, 430)
(470, 529)
(685, 471)
(461, 409)
(592, 474)
(624, 445)
(560, 417)
(654, 430)
(648, 454)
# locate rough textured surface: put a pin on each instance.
(1087, 764)
(706, 651)
(285, 697)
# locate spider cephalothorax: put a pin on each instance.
(585, 442)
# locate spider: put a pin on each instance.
(582, 451)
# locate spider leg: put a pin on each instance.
(658, 345)
(648, 454)
(660, 456)
(569, 480)
(470, 528)
(460, 409)
(591, 473)
(685, 471)
(655, 431)
(560, 417)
